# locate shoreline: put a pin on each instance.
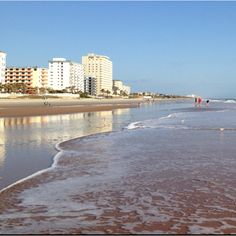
(32, 107)
(40, 107)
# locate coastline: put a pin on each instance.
(37, 107)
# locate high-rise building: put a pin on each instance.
(99, 67)
(64, 74)
(32, 77)
(3, 57)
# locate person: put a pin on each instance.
(199, 101)
(195, 101)
(207, 102)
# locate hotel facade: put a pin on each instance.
(100, 68)
(32, 77)
(3, 57)
(64, 74)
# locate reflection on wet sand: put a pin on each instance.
(2, 144)
(25, 138)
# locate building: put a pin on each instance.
(32, 77)
(99, 67)
(119, 88)
(77, 76)
(65, 74)
(3, 57)
(90, 86)
(117, 84)
(126, 89)
(44, 77)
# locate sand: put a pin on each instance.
(38, 107)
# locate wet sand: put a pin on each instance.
(33, 107)
(180, 222)
(165, 201)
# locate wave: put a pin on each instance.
(223, 100)
(188, 121)
(134, 125)
(230, 101)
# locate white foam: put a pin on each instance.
(151, 123)
(230, 101)
(135, 125)
(55, 160)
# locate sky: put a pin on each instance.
(166, 47)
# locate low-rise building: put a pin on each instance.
(126, 89)
(32, 77)
(119, 88)
(3, 57)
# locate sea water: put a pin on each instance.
(171, 169)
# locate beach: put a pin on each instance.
(36, 107)
(164, 167)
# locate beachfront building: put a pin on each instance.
(99, 67)
(90, 86)
(64, 74)
(43, 77)
(3, 57)
(126, 89)
(31, 77)
(119, 88)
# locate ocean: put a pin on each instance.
(165, 167)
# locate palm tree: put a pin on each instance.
(103, 91)
(1, 87)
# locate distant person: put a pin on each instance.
(199, 101)
(207, 102)
(195, 101)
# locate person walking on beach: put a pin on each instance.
(207, 102)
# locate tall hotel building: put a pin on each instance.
(100, 68)
(65, 73)
(3, 56)
(31, 76)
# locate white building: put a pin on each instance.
(118, 84)
(119, 87)
(126, 89)
(77, 76)
(99, 67)
(65, 73)
(3, 56)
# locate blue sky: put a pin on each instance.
(166, 47)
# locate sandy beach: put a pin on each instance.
(37, 107)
